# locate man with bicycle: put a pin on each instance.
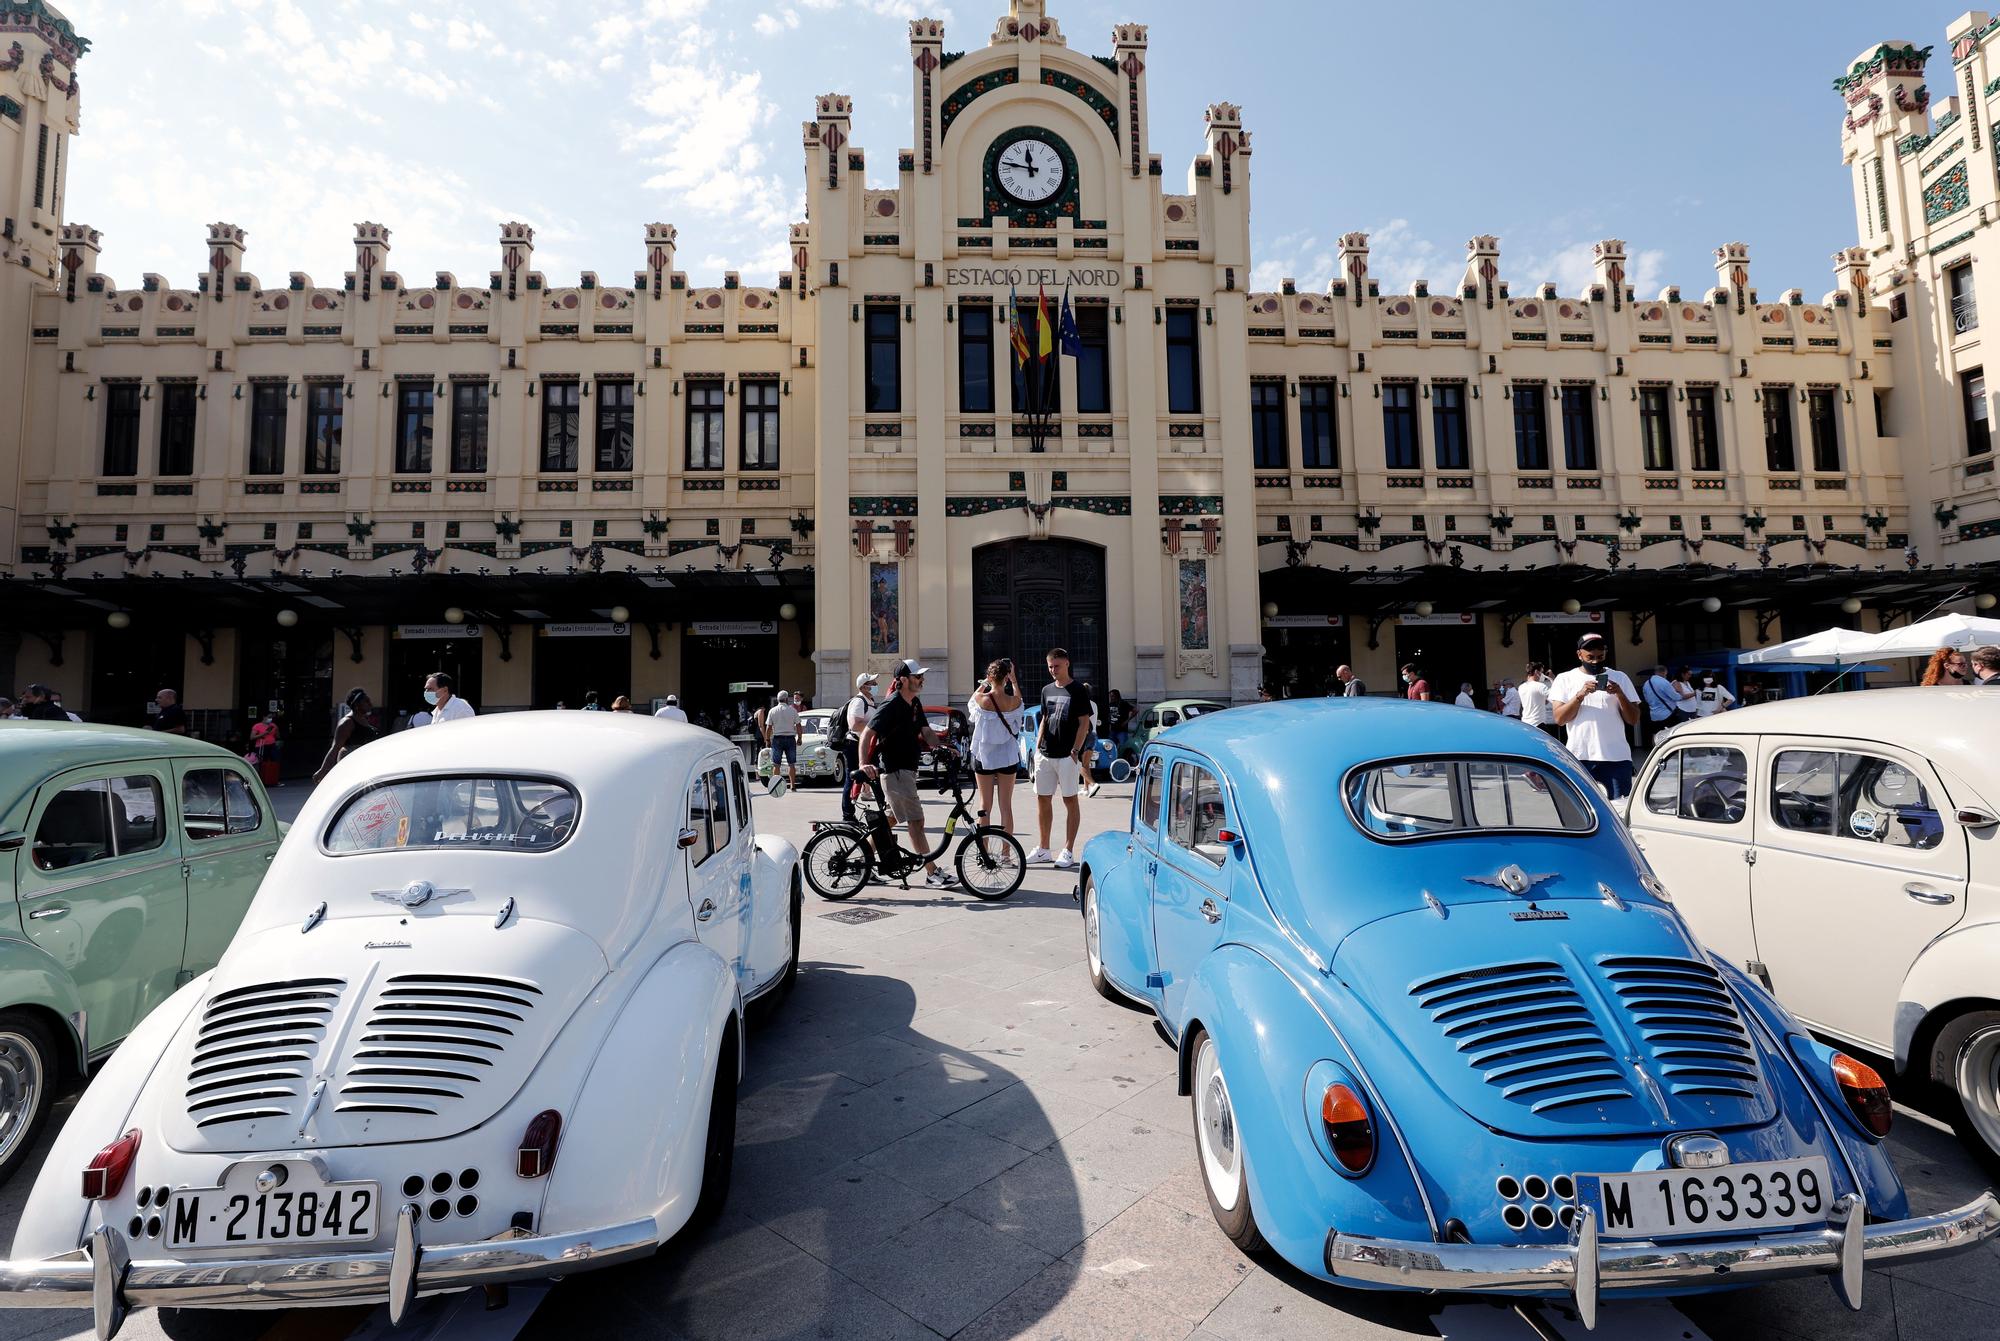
(895, 736)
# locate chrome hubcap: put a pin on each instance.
(1220, 1123)
(1979, 1084)
(20, 1089)
(1090, 931)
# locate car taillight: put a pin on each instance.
(1866, 1094)
(537, 1154)
(1347, 1128)
(104, 1176)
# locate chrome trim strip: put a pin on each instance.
(1554, 1270)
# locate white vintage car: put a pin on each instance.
(482, 1023)
(1846, 850)
(817, 759)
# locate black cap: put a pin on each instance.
(1588, 638)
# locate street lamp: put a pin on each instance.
(620, 615)
(1425, 607)
(1985, 600)
(1711, 603)
(287, 618)
(118, 619)
(453, 615)
(1572, 605)
(1270, 609)
(1852, 605)
(788, 611)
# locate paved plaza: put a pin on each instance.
(946, 1133)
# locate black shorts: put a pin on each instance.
(1005, 770)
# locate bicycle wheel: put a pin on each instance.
(991, 863)
(837, 863)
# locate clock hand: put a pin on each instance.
(1028, 157)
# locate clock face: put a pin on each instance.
(1030, 170)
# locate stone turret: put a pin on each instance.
(517, 257)
(1481, 280)
(225, 258)
(1732, 274)
(371, 258)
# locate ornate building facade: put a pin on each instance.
(266, 488)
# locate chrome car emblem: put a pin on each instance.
(1512, 879)
(416, 894)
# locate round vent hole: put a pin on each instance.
(1564, 1187)
(413, 1185)
(1567, 1215)
(469, 1178)
(153, 1228)
(441, 1182)
(135, 1228)
(467, 1205)
(145, 1197)
(1514, 1217)
(1543, 1217)
(440, 1209)
(1507, 1187)
(1536, 1187)
(160, 1197)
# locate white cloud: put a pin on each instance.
(1398, 257)
(770, 25)
(1572, 269)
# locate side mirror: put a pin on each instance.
(689, 837)
(778, 787)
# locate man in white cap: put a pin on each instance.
(890, 748)
(670, 711)
(781, 733)
(845, 735)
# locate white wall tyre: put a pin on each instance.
(1218, 1143)
(1966, 1060)
(29, 1070)
(1093, 944)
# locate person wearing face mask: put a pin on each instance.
(1415, 687)
(1947, 667)
(1712, 697)
(446, 705)
(1596, 704)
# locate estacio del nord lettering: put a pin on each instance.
(1029, 276)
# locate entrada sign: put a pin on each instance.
(1021, 277)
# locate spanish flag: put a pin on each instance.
(1017, 335)
(1045, 331)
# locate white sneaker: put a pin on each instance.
(1064, 861)
(1039, 854)
(1095, 788)
(939, 880)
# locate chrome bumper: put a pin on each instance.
(1588, 1267)
(102, 1276)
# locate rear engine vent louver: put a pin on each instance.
(429, 1038)
(1687, 1023)
(1526, 1031)
(253, 1057)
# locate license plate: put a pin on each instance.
(215, 1217)
(1664, 1203)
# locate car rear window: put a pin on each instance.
(513, 814)
(1399, 799)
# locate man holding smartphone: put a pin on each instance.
(1596, 704)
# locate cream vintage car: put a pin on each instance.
(1846, 850)
(483, 1022)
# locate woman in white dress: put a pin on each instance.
(995, 710)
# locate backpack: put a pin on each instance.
(838, 733)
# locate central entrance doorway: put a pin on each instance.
(573, 661)
(418, 651)
(1031, 595)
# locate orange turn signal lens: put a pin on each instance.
(1347, 1127)
(1866, 1093)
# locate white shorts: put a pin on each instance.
(1063, 775)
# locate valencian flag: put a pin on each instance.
(1072, 341)
(1016, 335)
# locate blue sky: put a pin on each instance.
(1551, 125)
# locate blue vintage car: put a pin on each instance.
(1444, 1030)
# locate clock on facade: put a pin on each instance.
(1029, 170)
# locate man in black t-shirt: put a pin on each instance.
(1059, 745)
(172, 717)
(891, 745)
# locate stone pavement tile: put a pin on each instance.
(843, 1127)
(1166, 1260)
(948, 1269)
(1160, 1104)
(785, 1105)
(1126, 1149)
(1048, 1203)
(871, 1060)
(1182, 1188)
(1924, 1314)
(1281, 1304)
(945, 1160)
(1024, 1115)
(1030, 1054)
(1065, 1304)
(954, 1081)
(1081, 1026)
(1108, 1075)
(799, 1299)
(1806, 1307)
(842, 1213)
(989, 970)
(1975, 1274)
(955, 1027)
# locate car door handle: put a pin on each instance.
(1210, 911)
(706, 911)
(1916, 889)
(53, 910)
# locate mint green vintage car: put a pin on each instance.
(126, 860)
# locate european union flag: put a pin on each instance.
(1072, 343)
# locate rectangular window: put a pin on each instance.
(1964, 304)
(1267, 426)
(1319, 438)
(1093, 365)
(1780, 454)
(1037, 384)
(468, 427)
(121, 430)
(216, 802)
(884, 361)
(1149, 794)
(1978, 420)
(704, 425)
(760, 424)
(41, 164)
(1417, 799)
(416, 407)
(1400, 448)
(267, 428)
(1183, 361)
(1579, 429)
(1531, 429)
(1448, 436)
(326, 409)
(1882, 414)
(560, 402)
(1704, 447)
(1823, 427)
(177, 404)
(614, 425)
(975, 358)
(1656, 428)
(1702, 782)
(1854, 796)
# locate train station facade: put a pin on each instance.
(263, 487)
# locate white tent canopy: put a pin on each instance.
(1920, 640)
(1828, 647)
